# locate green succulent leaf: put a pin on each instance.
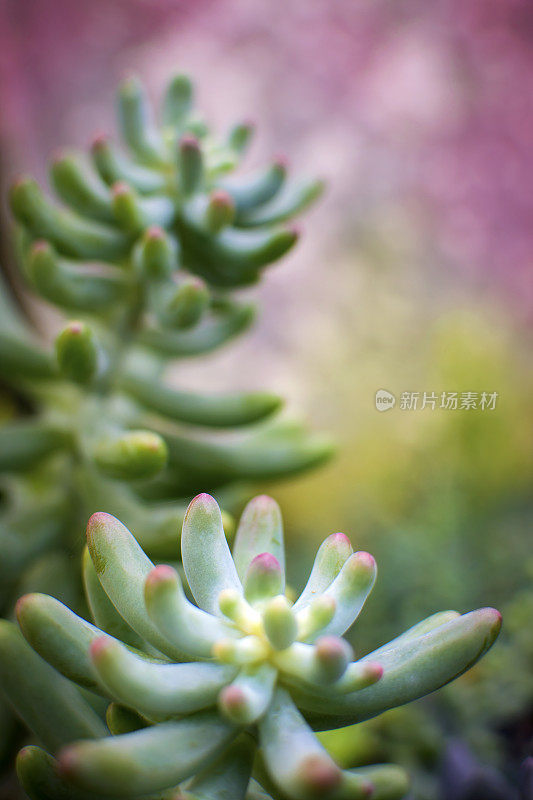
(260, 531)
(389, 782)
(122, 568)
(22, 359)
(294, 198)
(228, 776)
(77, 353)
(253, 190)
(24, 444)
(80, 188)
(38, 774)
(349, 590)
(148, 760)
(121, 720)
(218, 411)
(178, 101)
(67, 285)
(296, 761)
(330, 559)
(71, 234)
(260, 455)
(102, 609)
(49, 704)
(215, 329)
(247, 698)
(157, 690)
(135, 455)
(115, 167)
(416, 667)
(203, 532)
(60, 637)
(137, 124)
(183, 625)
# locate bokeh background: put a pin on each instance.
(414, 274)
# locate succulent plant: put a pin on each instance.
(144, 253)
(224, 697)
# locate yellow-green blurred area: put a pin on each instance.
(441, 497)
(447, 476)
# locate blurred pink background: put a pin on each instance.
(418, 113)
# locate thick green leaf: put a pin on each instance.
(247, 698)
(23, 444)
(80, 188)
(38, 774)
(228, 777)
(331, 557)
(249, 191)
(178, 100)
(213, 331)
(122, 568)
(123, 720)
(425, 626)
(60, 637)
(158, 691)
(418, 666)
(294, 198)
(47, 702)
(149, 760)
(134, 212)
(389, 782)
(20, 358)
(103, 611)
(181, 623)
(190, 165)
(77, 353)
(260, 531)
(136, 123)
(218, 411)
(70, 233)
(269, 452)
(72, 285)
(203, 533)
(234, 257)
(349, 590)
(115, 167)
(134, 455)
(295, 760)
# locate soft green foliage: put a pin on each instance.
(223, 697)
(143, 251)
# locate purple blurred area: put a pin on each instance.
(57, 54)
(415, 111)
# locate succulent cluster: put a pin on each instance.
(143, 252)
(221, 697)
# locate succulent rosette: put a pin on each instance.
(219, 688)
(143, 253)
